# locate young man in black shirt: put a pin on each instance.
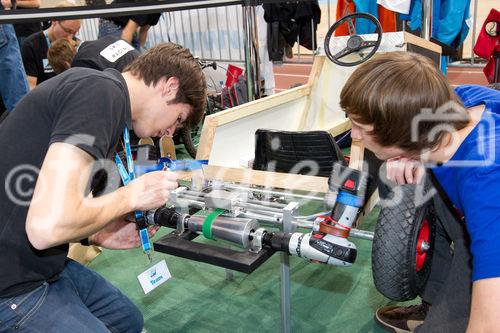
(35, 47)
(64, 129)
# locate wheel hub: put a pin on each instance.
(423, 244)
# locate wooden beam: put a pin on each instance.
(279, 180)
(340, 127)
(312, 82)
(415, 40)
(357, 155)
(263, 104)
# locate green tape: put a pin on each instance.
(207, 225)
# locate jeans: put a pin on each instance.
(79, 301)
(107, 27)
(13, 82)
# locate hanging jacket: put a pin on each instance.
(291, 21)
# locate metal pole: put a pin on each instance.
(427, 19)
(285, 271)
(328, 8)
(248, 52)
(473, 33)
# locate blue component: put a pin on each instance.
(122, 170)
(146, 245)
(128, 152)
(349, 199)
(165, 163)
(141, 169)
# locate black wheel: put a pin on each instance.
(403, 245)
(191, 139)
(355, 43)
(191, 136)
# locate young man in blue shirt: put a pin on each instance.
(403, 109)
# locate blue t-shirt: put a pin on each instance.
(472, 181)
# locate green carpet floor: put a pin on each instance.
(199, 298)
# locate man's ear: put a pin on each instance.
(171, 86)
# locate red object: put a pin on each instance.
(349, 184)
(489, 69)
(232, 74)
(423, 236)
(344, 7)
(387, 19)
(318, 236)
(485, 43)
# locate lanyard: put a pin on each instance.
(46, 34)
(127, 177)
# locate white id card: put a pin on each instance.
(116, 50)
(154, 276)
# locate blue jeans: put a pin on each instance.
(79, 301)
(13, 82)
(107, 27)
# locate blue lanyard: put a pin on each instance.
(127, 177)
(46, 34)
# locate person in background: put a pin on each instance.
(107, 52)
(13, 83)
(133, 29)
(23, 30)
(35, 48)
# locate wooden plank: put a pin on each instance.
(312, 82)
(367, 208)
(206, 138)
(340, 127)
(412, 39)
(286, 181)
(356, 155)
(259, 105)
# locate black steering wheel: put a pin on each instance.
(355, 43)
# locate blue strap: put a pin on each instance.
(127, 177)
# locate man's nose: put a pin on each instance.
(171, 130)
(356, 134)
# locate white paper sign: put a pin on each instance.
(116, 50)
(154, 276)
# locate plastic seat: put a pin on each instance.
(310, 152)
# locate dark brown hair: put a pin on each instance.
(172, 60)
(60, 55)
(391, 90)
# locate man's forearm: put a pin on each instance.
(28, 3)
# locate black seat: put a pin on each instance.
(297, 152)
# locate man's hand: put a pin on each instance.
(120, 235)
(485, 306)
(402, 170)
(6, 4)
(151, 190)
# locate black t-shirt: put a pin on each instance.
(34, 52)
(27, 29)
(141, 20)
(107, 52)
(56, 111)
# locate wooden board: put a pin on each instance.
(268, 179)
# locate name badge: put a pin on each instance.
(116, 50)
(46, 66)
(154, 276)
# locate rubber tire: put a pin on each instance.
(187, 139)
(394, 248)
